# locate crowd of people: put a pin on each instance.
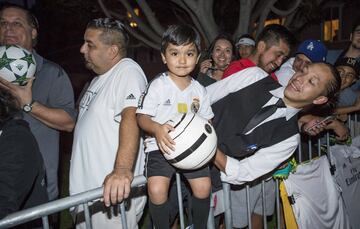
(258, 98)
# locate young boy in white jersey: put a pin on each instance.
(170, 93)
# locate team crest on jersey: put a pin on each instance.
(195, 105)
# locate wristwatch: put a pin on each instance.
(28, 107)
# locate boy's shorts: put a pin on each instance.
(157, 165)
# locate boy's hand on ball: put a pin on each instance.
(165, 142)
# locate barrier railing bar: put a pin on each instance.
(87, 216)
(263, 203)
(45, 222)
(123, 215)
(327, 142)
(277, 204)
(180, 201)
(211, 220)
(58, 205)
(356, 124)
(227, 206)
(248, 206)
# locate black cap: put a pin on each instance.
(351, 62)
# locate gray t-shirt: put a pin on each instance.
(53, 89)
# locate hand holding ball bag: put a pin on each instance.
(195, 139)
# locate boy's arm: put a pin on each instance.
(160, 132)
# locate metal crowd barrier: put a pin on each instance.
(42, 211)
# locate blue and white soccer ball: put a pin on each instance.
(16, 64)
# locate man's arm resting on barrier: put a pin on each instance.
(262, 162)
(117, 183)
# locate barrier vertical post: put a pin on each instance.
(180, 201)
(227, 206)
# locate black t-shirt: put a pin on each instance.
(22, 172)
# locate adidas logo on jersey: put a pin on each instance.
(167, 102)
(131, 96)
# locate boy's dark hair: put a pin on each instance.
(272, 34)
(222, 36)
(9, 106)
(180, 35)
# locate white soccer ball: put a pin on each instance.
(16, 64)
(195, 141)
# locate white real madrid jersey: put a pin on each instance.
(163, 99)
(346, 160)
(317, 201)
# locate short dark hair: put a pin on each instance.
(30, 17)
(180, 35)
(113, 32)
(222, 36)
(333, 86)
(355, 25)
(273, 33)
(9, 106)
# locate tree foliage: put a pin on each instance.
(210, 17)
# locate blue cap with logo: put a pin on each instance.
(313, 49)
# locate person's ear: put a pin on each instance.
(163, 58)
(320, 100)
(34, 34)
(114, 51)
(261, 47)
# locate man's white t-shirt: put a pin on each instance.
(163, 100)
(96, 136)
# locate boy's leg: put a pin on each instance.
(159, 207)
(159, 172)
(201, 188)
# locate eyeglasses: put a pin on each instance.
(14, 25)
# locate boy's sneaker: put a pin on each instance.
(190, 227)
